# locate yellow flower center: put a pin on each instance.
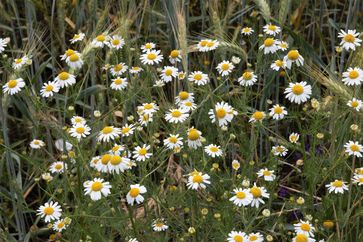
(58, 166)
(69, 52)
(115, 41)
(159, 225)
(76, 36)
(253, 238)
(238, 238)
(198, 76)
(176, 113)
(101, 38)
(272, 27)
(80, 130)
(193, 134)
(247, 75)
(293, 55)
(125, 130)
(118, 81)
(106, 158)
(117, 67)
(148, 46)
(240, 195)
(278, 110)
(210, 44)
(18, 61)
(173, 140)
(297, 89)
(353, 74)
(174, 53)
(60, 225)
(151, 56)
(96, 186)
(107, 130)
(354, 148)
(134, 192)
(225, 66)
(183, 95)
(168, 72)
(197, 178)
(258, 115)
(256, 192)
(301, 238)
(279, 63)
(142, 151)
(349, 38)
(63, 76)
(74, 58)
(360, 179)
(280, 149)
(115, 160)
(269, 42)
(148, 106)
(305, 227)
(328, 224)
(355, 104)
(48, 211)
(203, 43)
(221, 113)
(214, 149)
(12, 83)
(115, 148)
(49, 88)
(77, 120)
(337, 183)
(266, 173)
(36, 142)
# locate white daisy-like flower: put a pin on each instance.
(3, 43)
(109, 133)
(80, 131)
(37, 144)
(50, 211)
(269, 46)
(279, 150)
(294, 137)
(337, 186)
(20, 62)
(258, 193)
(353, 148)
(282, 45)
(168, 73)
(198, 78)
(159, 225)
(213, 150)
(197, 180)
(119, 69)
(184, 96)
(151, 57)
(223, 113)
(68, 53)
(127, 130)
(135, 70)
(94, 161)
(242, 197)
(357, 104)
(225, 68)
(278, 112)
(194, 138)
(60, 225)
(188, 105)
(255, 237)
(257, 116)
(175, 56)
(176, 115)
(49, 89)
(13, 86)
(237, 236)
(206, 45)
(147, 47)
(65, 79)
(268, 175)
(134, 194)
(115, 42)
(247, 31)
(58, 167)
(304, 227)
(145, 119)
(99, 41)
(119, 83)
(271, 29)
(75, 61)
(102, 164)
(117, 149)
(247, 79)
(148, 108)
(77, 38)
(96, 188)
(173, 142)
(353, 76)
(118, 164)
(350, 39)
(358, 179)
(293, 56)
(278, 64)
(298, 92)
(78, 120)
(60, 143)
(141, 153)
(302, 238)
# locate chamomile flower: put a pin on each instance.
(206, 45)
(94, 161)
(225, 68)
(184, 96)
(148, 108)
(115, 42)
(258, 193)
(279, 150)
(213, 150)
(294, 137)
(242, 197)
(358, 179)
(77, 38)
(247, 31)
(304, 227)
(223, 113)
(278, 64)
(78, 120)
(356, 104)
(269, 46)
(198, 180)
(96, 188)
(80, 131)
(99, 41)
(188, 105)
(118, 164)
(134, 194)
(151, 57)
(302, 238)
(20, 62)
(75, 61)
(353, 148)
(277, 112)
(237, 236)
(257, 116)
(141, 153)
(65, 79)
(147, 47)
(173, 142)
(271, 29)
(293, 56)
(268, 175)
(3, 43)
(119, 83)
(117, 149)
(282, 45)
(37, 144)
(119, 69)
(168, 73)
(68, 53)
(353, 76)
(255, 237)
(102, 164)
(58, 167)
(198, 78)
(176, 115)
(145, 119)
(59, 225)
(135, 70)
(159, 225)
(127, 130)
(109, 133)
(49, 89)
(194, 138)
(175, 56)
(298, 92)
(350, 39)
(337, 186)
(50, 211)
(247, 79)
(13, 86)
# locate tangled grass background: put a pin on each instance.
(30, 176)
